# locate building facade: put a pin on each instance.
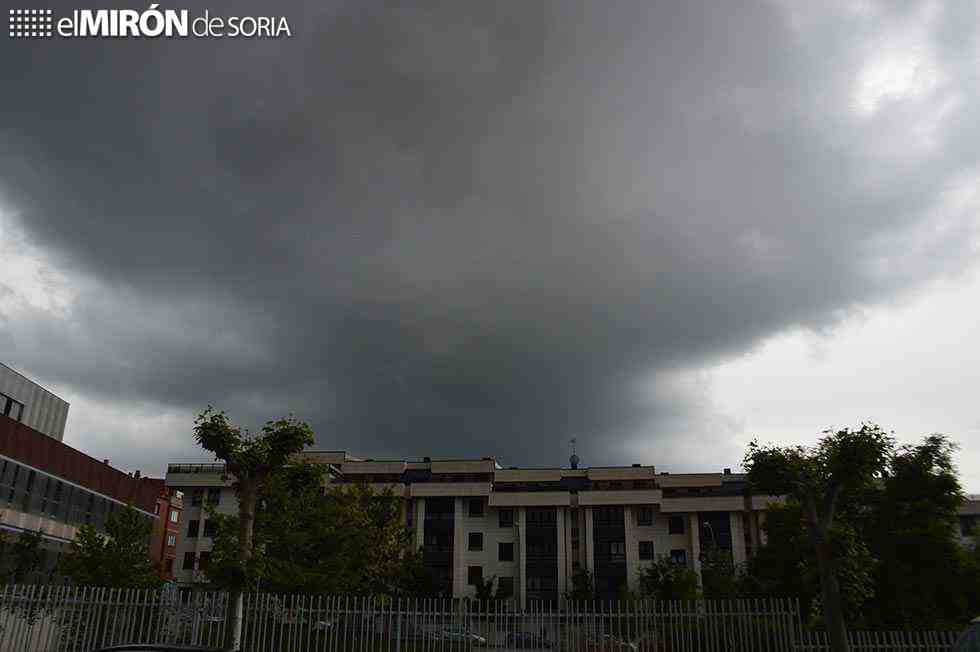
(529, 529)
(23, 400)
(166, 529)
(49, 487)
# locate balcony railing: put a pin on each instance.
(196, 468)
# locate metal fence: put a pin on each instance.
(81, 619)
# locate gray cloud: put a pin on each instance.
(472, 227)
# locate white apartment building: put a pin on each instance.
(529, 528)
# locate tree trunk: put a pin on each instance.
(247, 498)
(833, 613)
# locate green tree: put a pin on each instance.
(249, 459)
(484, 589)
(719, 576)
(349, 540)
(26, 556)
(116, 558)
(582, 587)
(843, 461)
(665, 579)
(925, 578)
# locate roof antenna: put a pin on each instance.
(573, 460)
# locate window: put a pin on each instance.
(505, 587)
(171, 539)
(214, 496)
(646, 550)
(679, 557)
(968, 525)
(188, 561)
(505, 551)
(474, 575)
(675, 525)
(192, 527)
(156, 509)
(197, 497)
(170, 566)
(476, 507)
(644, 516)
(174, 515)
(205, 560)
(10, 407)
(209, 528)
(506, 517)
(617, 548)
(476, 541)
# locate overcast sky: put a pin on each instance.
(484, 228)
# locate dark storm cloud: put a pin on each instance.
(466, 227)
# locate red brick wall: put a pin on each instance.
(29, 446)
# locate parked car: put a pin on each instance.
(609, 643)
(969, 640)
(460, 635)
(528, 640)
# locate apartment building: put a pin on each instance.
(528, 528)
(24, 401)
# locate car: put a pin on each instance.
(609, 643)
(528, 640)
(460, 635)
(969, 640)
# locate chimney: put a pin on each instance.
(636, 466)
(106, 462)
(136, 474)
(728, 471)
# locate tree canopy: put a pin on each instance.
(116, 558)
(345, 540)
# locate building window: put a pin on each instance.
(214, 496)
(476, 507)
(675, 525)
(644, 516)
(156, 509)
(506, 517)
(205, 560)
(171, 539)
(10, 407)
(646, 550)
(505, 587)
(170, 567)
(174, 515)
(505, 551)
(188, 561)
(192, 527)
(209, 528)
(968, 525)
(197, 497)
(474, 575)
(475, 541)
(679, 557)
(617, 548)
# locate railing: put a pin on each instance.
(196, 468)
(881, 641)
(82, 619)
